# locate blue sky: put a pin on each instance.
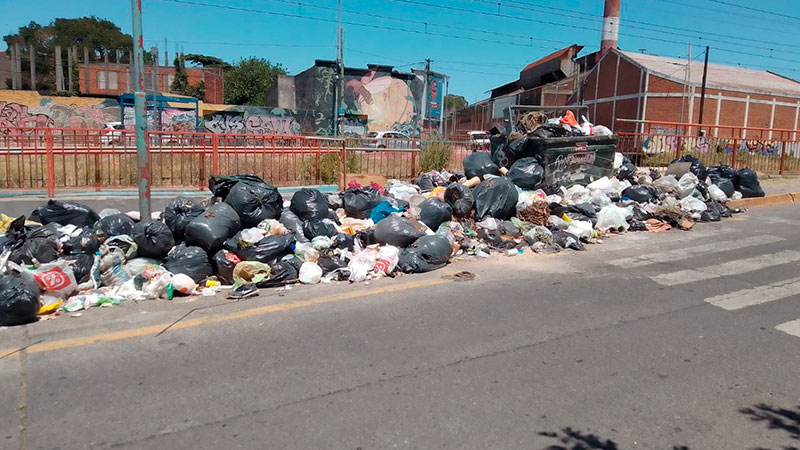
(478, 43)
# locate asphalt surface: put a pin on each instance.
(655, 341)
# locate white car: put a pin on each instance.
(478, 138)
(111, 134)
(389, 139)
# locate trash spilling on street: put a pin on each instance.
(548, 186)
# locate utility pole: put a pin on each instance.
(32, 53)
(425, 109)
(686, 79)
(142, 157)
(338, 98)
(703, 90)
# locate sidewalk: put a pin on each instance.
(780, 185)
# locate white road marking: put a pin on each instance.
(734, 267)
(792, 327)
(685, 253)
(757, 295)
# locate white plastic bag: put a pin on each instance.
(321, 242)
(667, 183)
(617, 160)
(306, 252)
(601, 130)
(608, 186)
(576, 194)
(310, 273)
(612, 217)
(183, 283)
(362, 263)
(580, 228)
(686, 184)
(56, 278)
(600, 199)
(691, 204)
(717, 194)
(252, 235)
(387, 260)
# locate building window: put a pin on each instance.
(107, 81)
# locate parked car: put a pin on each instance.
(110, 134)
(389, 139)
(478, 139)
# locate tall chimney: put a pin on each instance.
(610, 26)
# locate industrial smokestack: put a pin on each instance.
(610, 26)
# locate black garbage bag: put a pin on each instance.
(636, 225)
(309, 204)
(496, 197)
(220, 186)
(19, 300)
(224, 262)
(432, 212)
(721, 172)
(331, 263)
(180, 211)
(508, 228)
(654, 174)
(40, 243)
(746, 182)
(710, 215)
(192, 261)
(359, 202)
(479, 164)
(154, 239)
(293, 224)
(640, 214)
(526, 173)
(567, 240)
(343, 241)
(314, 228)
(459, 197)
(267, 250)
(397, 231)
(641, 194)
(726, 186)
(209, 230)
(425, 182)
(282, 273)
(626, 170)
(425, 254)
(255, 202)
(87, 242)
(550, 131)
(697, 167)
(366, 237)
(65, 213)
(82, 267)
(718, 209)
(114, 225)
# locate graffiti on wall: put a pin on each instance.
(388, 102)
(165, 119)
(48, 113)
(260, 120)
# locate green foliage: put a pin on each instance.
(455, 102)
(180, 83)
(435, 155)
(247, 82)
(206, 61)
(63, 94)
(330, 167)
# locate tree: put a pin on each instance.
(455, 102)
(247, 82)
(180, 83)
(206, 61)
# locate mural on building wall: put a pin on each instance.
(262, 120)
(389, 103)
(169, 119)
(46, 112)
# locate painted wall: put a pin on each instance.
(169, 119)
(28, 109)
(264, 120)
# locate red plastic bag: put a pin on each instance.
(569, 119)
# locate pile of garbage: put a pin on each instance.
(66, 257)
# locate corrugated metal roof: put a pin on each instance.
(719, 76)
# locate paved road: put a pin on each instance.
(648, 341)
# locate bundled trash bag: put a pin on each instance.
(250, 273)
(479, 164)
(114, 225)
(267, 250)
(716, 208)
(282, 273)
(40, 244)
(65, 213)
(343, 241)
(710, 215)
(224, 262)
(180, 211)
(191, 261)
(293, 224)
(255, 202)
(612, 217)
(565, 240)
(309, 204)
(331, 263)
(314, 228)
(697, 167)
(426, 254)
(88, 241)
(425, 182)
(626, 170)
(220, 186)
(19, 299)
(746, 182)
(397, 231)
(82, 267)
(213, 227)
(550, 131)
(123, 242)
(459, 197)
(641, 194)
(154, 238)
(359, 202)
(721, 172)
(432, 212)
(526, 173)
(496, 197)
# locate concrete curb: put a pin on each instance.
(769, 200)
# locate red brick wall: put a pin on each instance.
(211, 76)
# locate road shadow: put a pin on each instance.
(787, 420)
(572, 439)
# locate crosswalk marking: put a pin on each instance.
(685, 253)
(757, 295)
(792, 327)
(734, 267)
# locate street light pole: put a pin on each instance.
(142, 157)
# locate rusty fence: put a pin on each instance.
(93, 159)
(765, 150)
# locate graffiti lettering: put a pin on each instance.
(16, 115)
(224, 123)
(272, 125)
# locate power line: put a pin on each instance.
(749, 8)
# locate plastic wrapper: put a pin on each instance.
(153, 237)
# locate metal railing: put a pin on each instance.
(656, 144)
(65, 158)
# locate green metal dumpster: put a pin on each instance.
(575, 160)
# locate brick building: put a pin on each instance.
(115, 79)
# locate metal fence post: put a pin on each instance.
(783, 158)
(214, 154)
(344, 164)
(51, 164)
(733, 154)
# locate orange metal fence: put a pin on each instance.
(656, 144)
